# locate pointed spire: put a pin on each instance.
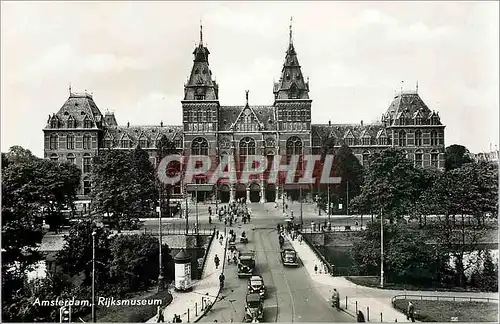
(402, 83)
(417, 87)
(70, 88)
(246, 95)
(201, 33)
(291, 39)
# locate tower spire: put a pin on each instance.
(201, 33)
(70, 88)
(417, 87)
(291, 21)
(246, 95)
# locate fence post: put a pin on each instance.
(356, 306)
(196, 308)
(188, 316)
(368, 314)
(381, 320)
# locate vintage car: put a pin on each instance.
(254, 309)
(256, 286)
(246, 264)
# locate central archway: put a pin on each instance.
(224, 193)
(255, 192)
(241, 191)
(271, 192)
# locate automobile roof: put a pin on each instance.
(253, 298)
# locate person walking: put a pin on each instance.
(361, 317)
(217, 261)
(221, 280)
(161, 318)
(411, 312)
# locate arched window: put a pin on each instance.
(87, 123)
(401, 119)
(294, 146)
(418, 138)
(54, 157)
(247, 146)
(419, 158)
(54, 142)
(54, 123)
(402, 138)
(199, 146)
(87, 186)
(366, 158)
(435, 159)
(87, 163)
(87, 142)
(70, 142)
(71, 122)
(294, 93)
(434, 138)
(71, 158)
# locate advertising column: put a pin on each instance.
(182, 271)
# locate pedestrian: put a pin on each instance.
(209, 219)
(217, 233)
(178, 319)
(161, 318)
(174, 320)
(411, 312)
(316, 268)
(221, 280)
(361, 317)
(217, 261)
(336, 298)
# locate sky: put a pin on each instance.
(136, 56)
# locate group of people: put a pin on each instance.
(234, 212)
(160, 317)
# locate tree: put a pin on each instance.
(164, 148)
(122, 187)
(391, 185)
(456, 156)
(469, 192)
(489, 278)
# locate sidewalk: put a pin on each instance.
(189, 304)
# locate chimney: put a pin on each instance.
(161, 124)
(329, 123)
(361, 123)
(128, 124)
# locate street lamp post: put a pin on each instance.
(381, 248)
(347, 200)
(160, 272)
(187, 207)
(300, 194)
(93, 276)
(196, 193)
(328, 200)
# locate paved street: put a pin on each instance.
(290, 296)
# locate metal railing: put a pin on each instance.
(318, 254)
(326, 229)
(444, 298)
(179, 229)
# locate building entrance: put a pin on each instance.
(254, 192)
(224, 194)
(240, 192)
(271, 192)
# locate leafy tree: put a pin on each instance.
(489, 278)
(456, 156)
(124, 198)
(469, 192)
(391, 185)
(164, 148)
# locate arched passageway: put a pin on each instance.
(254, 192)
(224, 193)
(271, 192)
(241, 191)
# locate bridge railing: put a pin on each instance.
(178, 229)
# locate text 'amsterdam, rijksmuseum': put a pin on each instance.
(79, 130)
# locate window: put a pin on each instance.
(70, 142)
(87, 186)
(71, 158)
(199, 97)
(54, 123)
(209, 115)
(366, 141)
(316, 141)
(87, 163)
(143, 143)
(419, 158)
(366, 158)
(294, 93)
(199, 146)
(294, 146)
(125, 143)
(71, 122)
(402, 138)
(54, 157)
(178, 142)
(418, 138)
(87, 142)
(247, 122)
(382, 140)
(54, 142)
(402, 120)
(87, 123)
(434, 120)
(247, 146)
(349, 141)
(108, 143)
(418, 120)
(434, 138)
(435, 159)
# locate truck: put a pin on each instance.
(289, 255)
(246, 264)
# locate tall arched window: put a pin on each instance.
(418, 138)
(366, 158)
(435, 158)
(402, 138)
(294, 146)
(71, 158)
(247, 146)
(54, 142)
(419, 158)
(199, 146)
(434, 138)
(70, 142)
(87, 186)
(87, 163)
(87, 142)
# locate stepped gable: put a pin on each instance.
(150, 132)
(407, 103)
(228, 116)
(76, 108)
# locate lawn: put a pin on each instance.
(128, 314)
(374, 281)
(443, 311)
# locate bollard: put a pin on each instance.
(356, 306)
(381, 321)
(345, 302)
(196, 309)
(188, 316)
(367, 314)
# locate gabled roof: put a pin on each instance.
(79, 106)
(408, 103)
(150, 132)
(244, 111)
(229, 115)
(340, 131)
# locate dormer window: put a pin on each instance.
(143, 143)
(125, 143)
(108, 143)
(349, 141)
(71, 122)
(401, 120)
(54, 123)
(366, 141)
(294, 93)
(200, 95)
(87, 123)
